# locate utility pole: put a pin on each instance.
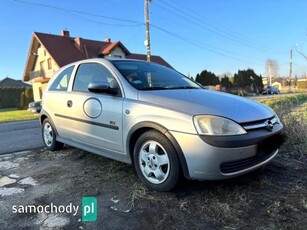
(270, 72)
(290, 76)
(147, 41)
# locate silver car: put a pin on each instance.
(151, 116)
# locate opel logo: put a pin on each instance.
(269, 125)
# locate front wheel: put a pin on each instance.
(156, 161)
(49, 136)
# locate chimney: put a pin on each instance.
(65, 33)
(79, 43)
(108, 40)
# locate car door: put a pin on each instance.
(96, 117)
(54, 102)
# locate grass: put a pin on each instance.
(7, 115)
(292, 111)
(283, 105)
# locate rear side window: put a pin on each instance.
(62, 80)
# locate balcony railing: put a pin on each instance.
(42, 73)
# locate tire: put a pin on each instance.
(156, 161)
(49, 136)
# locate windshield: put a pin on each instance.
(151, 76)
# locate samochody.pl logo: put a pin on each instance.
(51, 208)
(89, 209)
(88, 212)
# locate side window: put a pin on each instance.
(62, 80)
(90, 72)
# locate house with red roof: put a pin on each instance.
(48, 53)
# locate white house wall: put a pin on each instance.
(38, 89)
(117, 52)
(41, 70)
(42, 61)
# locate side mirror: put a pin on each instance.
(101, 87)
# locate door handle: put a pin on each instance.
(69, 103)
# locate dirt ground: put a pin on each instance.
(274, 198)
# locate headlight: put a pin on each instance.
(214, 125)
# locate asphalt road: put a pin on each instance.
(19, 136)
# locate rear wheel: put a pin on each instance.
(156, 161)
(49, 136)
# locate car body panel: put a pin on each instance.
(52, 106)
(100, 125)
(199, 101)
(204, 160)
(147, 112)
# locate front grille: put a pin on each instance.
(265, 150)
(258, 124)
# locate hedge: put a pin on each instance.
(15, 97)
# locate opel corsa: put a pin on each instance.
(151, 116)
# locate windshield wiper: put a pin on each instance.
(167, 88)
(184, 87)
(154, 88)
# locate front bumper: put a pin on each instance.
(208, 162)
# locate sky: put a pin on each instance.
(221, 36)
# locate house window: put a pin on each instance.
(49, 63)
(42, 68)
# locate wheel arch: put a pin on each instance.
(45, 115)
(140, 128)
(42, 118)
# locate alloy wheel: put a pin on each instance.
(154, 162)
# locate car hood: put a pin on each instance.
(201, 101)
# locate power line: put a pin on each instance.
(105, 23)
(211, 27)
(193, 18)
(196, 43)
(191, 41)
(70, 11)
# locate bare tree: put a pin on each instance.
(272, 70)
(300, 51)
